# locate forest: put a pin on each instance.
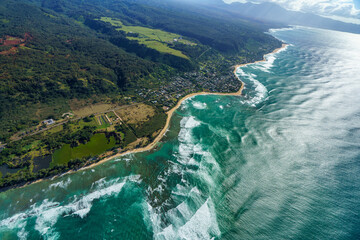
(53, 52)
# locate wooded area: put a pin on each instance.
(55, 51)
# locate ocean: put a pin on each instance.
(282, 161)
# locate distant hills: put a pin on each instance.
(273, 13)
(269, 13)
(264, 13)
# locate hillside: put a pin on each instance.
(273, 13)
(73, 71)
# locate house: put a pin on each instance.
(49, 122)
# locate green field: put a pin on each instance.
(97, 145)
(152, 38)
(93, 123)
(31, 145)
(54, 130)
(104, 122)
(3, 20)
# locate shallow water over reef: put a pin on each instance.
(280, 162)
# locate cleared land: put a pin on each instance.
(13, 43)
(152, 38)
(136, 114)
(92, 109)
(86, 136)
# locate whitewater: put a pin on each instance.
(282, 161)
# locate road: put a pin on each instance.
(74, 119)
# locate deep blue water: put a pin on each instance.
(280, 162)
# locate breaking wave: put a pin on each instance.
(61, 184)
(199, 105)
(47, 213)
(259, 93)
(191, 214)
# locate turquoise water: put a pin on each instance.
(280, 162)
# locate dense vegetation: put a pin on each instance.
(63, 60)
(53, 52)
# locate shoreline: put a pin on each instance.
(283, 46)
(167, 124)
(171, 112)
(164, 130)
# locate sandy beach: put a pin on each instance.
(264, 59)
(169, 116)
(171, 112)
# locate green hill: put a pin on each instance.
(78, 62)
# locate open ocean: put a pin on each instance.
(280, 162)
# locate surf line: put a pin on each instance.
(171, 112)
(168, 119)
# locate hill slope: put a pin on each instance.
(84, 79)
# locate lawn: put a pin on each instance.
(80, 124)
(97, 145)
(54, 130)
(3, 20)
(31, 145)
(90, 109)
(152, 38)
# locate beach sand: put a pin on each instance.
(167, 124)
(171, 112)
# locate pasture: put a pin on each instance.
(153, 38)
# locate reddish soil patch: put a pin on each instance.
(11, 51)
(10, 41)
(14, 42)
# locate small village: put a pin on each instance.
(179, 86)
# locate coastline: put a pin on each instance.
(167, 124)
(283, 46)
(171, 112)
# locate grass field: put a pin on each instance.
(54, 130)
(136, 114)
(3, 20)
(32, 145)
(97, 145)
(152, 38)
(91, 109)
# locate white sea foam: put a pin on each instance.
(203, 225)
(187, 124)
(259, 92)
(193, 215)
(199, 105)
(22, 234)
(48, 212)
(61, 184)
(274, 30)
(193, 162)
(185, 223)
(241, 72)
(192, 123)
